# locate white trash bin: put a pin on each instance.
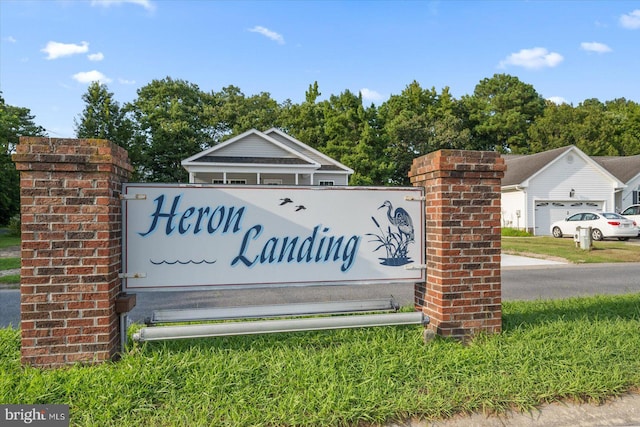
(583, 238)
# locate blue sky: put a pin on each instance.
(568, 50)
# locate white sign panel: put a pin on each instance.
(198, 237)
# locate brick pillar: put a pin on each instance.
(462, 294)
(71, 246)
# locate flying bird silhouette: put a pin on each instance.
(285, 201)
(400, 219)
(299, 208)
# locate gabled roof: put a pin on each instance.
(327, 162)
(521, 168)
(290, 152)
(625, 168)
(211, 155)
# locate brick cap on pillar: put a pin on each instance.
(38, 153)
(442, 161)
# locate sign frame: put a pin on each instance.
(314, 242)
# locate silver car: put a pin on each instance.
(603, 225)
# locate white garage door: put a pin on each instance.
(549, 211)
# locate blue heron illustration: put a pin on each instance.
(396, 243)
(400, 219)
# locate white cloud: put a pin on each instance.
(58, 50)
(95, 56)
(595, 47)
(10, 39)
(91, 76)
(268, 33)
(147, 4)
(558, 100)
(126, 82)
(370, 95)
(538, 57)
(631, 20)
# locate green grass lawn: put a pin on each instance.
(9, 263)
(6, 240)
(603, 251)
(11, 279)
(577, 349)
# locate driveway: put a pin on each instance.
(508, 261)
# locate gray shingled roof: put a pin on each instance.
(522, 167)
(624, 168)
(254, 160)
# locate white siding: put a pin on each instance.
(253, 146)
(567, 173)
(511, 203)
(571, 179)
(627, 196)
(338, 179)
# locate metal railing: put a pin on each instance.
(325, 322)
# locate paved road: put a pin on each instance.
(519, 282)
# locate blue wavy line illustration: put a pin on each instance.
(204, 261)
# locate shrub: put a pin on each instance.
(514, 232)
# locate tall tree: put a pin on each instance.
(14, 123)
(554, 129)
(306, 121)
(344, 123)
(235, 113)
(173, 122)
(417, 122)
(500, 111)
(103, 118)
(626, 116)
(593, 130)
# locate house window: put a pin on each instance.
(229, 181)
(272, 181)
(327, 183)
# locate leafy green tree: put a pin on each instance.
(554, 129)
(103, 118)
(14, 123)
(235, 113)
(626, 116)
(174, 120)
(344, 122)
(500, 111)
(593, 130)
(417, 122)
(351, 139)
(306, 121)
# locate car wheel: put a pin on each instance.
(623, 239)
(557, 233)
(596, 234)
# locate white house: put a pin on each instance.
(542, 188)
(627, 170)
(271, 158)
